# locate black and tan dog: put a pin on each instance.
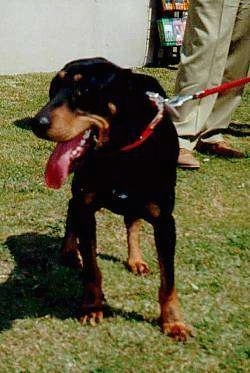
(122, 147)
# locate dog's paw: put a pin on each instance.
(92, 318)
(138, 268)
(177, 330)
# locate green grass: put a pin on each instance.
(39, 298)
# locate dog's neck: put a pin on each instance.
(158, 103)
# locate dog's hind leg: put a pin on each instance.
(134, 262)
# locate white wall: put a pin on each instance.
(43, 35)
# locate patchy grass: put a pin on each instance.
(39, 298)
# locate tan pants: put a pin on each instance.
(216, 49)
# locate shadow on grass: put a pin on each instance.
(110, 258)
(39, 286)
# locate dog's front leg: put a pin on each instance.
(85, 223)
(70, 255)
(170, 319)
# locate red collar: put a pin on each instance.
(162, 106)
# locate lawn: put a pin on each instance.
(39, 298)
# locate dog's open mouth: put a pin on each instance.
(62, 159)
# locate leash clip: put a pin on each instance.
(162, 104)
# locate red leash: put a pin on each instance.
(222, 87)
(177, 101)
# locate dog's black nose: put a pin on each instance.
(40, 125)
(40, 121)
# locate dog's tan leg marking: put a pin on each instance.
(134, 262)
(171, 319)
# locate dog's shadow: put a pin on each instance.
(39, 286)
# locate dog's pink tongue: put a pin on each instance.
(58, 166)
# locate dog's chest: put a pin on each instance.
(122, 175)
(119, 175)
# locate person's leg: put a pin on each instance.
(203, 59)
(237, 66)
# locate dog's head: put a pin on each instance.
(92, 103)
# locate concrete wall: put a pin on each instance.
(38, 36)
